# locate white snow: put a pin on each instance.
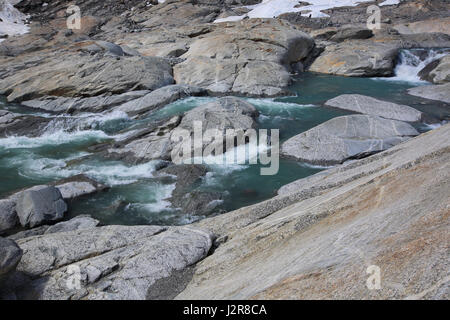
(12, 21)
(274, 8)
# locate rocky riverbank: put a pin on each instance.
(384, 204)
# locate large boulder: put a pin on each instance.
(434, 92)
(10, 255)
(39, 205)
(357, 58)
(8, 215)
(437, 71)
(371, 106)
(347, 137)
(251, 57)
(74, 74)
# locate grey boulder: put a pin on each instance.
(371, 106)
(438, 71)
(8, 215)
(347, 137)
(40, 205)
(10, 255)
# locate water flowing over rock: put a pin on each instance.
(347, 137)
(159, 141)
(371, 106)
(251, 57)
(17, 124)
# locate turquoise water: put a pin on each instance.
(136, 196)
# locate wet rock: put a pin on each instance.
(347, 137)
(185, 196)
(77, 223)
(371, 106)
(434, 92)
(14, 124)
(250, 57)
(159, 142)
(10, 255)
(39, 205)
(8, 215)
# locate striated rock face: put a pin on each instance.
(75, 75)
(17, 124)
(114, 262)
(250, 57)
(436, 92)
(318, 238)
(347, 137)
(371, 106)
(356, 59)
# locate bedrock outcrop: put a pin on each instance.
(319, 236)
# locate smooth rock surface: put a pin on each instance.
(371, 106)
(347, 137)
(357, 58)
(39, 205)
(318, 240)
(440, 73)
(435, 92)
